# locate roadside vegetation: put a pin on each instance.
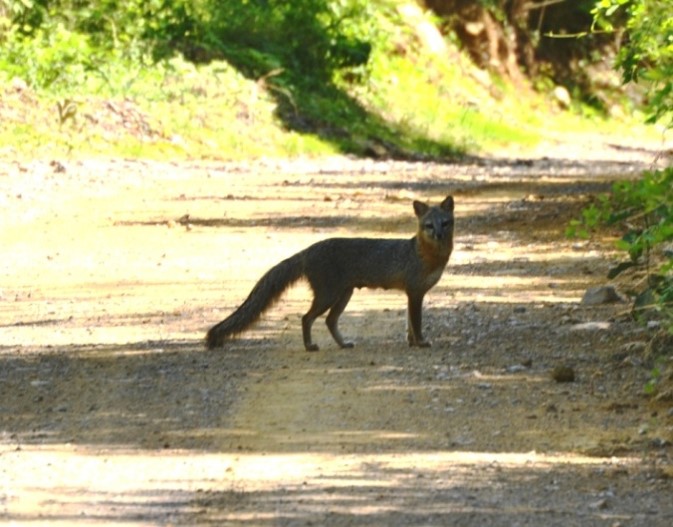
(239, 80)
(640, 212)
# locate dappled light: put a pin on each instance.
(113, 485)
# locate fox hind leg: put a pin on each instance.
(321, 303)
(333, 319)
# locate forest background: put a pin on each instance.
(252, 78)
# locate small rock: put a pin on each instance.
(603, 294)
(562, 96)
(563, 374)
(57, 166)
(567, 319)
(654, 324)
(660, 442)
(600, 505)
(590, 326)
(19, 85)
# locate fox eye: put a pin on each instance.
(428, 226)
(446, 223)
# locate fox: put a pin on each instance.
(334, 267)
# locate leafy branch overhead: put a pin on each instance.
(646, 54)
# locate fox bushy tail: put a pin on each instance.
(265, 293)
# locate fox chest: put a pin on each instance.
(433, 277)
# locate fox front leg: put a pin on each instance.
(415, 322)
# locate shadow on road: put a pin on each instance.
(470, 432)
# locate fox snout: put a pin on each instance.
(440, 230)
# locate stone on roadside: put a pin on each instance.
(591, 326)
(602, 294)
(562, 96)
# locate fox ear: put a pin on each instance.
(420, 208)
(447, 204)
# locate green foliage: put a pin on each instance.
(61, 46)
(645, 208)
(46, 58)
(308, 39)
(646, 55)
(650, 387)
(643, 211)
(593, 216)
(322, 75)
(303, 61)
(293, 50)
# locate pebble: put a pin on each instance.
(603, 294)
(590, 326)
(601, 504)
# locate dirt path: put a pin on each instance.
(111, 412)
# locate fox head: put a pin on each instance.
(435, 224)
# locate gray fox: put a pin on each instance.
(336, 266)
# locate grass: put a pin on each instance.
(406, 102)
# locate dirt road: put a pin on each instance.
(112, 412)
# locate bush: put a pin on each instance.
(646, 54)
(643, 211)
(47, 58)
(644, 208)
(308, 39)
